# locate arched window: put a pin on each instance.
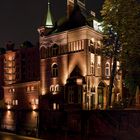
(54, 70)
(107, 69)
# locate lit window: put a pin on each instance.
(28, 89)
(15, 102)
(57, 88)
(10, 90)
(118, 65)
(54, 106)
(32, 88)
(107, 69)
(52, 88)
(13, 90)
(36, 101)
(54, 70)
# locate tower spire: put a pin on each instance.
(49, 22)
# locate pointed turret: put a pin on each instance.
(49, 21)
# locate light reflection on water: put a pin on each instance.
(7, 138)
(8, 121)
(21, 119)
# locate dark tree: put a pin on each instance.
(124, 18)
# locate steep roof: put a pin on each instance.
(76, 19)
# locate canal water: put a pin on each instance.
(68, 125)
(22, 122)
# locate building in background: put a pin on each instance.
(21, 77)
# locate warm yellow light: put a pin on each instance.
(10, 58)
(43, 91)
(10, 71)
(10, 77)
(34, 107)
(8, 107)
(54, 93)
(99, 59)
(32, 88)
(54, 106)
(79, 81)
(99, 42)
(93, 40)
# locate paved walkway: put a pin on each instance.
(11, 136)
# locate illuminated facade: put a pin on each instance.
(21, 78)
(1, 75)
(72, 65)
(70, 71)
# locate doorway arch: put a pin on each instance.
(101, 95)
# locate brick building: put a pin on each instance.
(70, 71)
(73, 71)
(1, 75)
(21, 77)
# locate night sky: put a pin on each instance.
(19, 19)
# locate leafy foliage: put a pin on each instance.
(124, 18)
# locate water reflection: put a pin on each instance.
(23, 122)
(8, 120)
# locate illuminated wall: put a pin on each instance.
(22, 96)
(10, 68)
(80, 47)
